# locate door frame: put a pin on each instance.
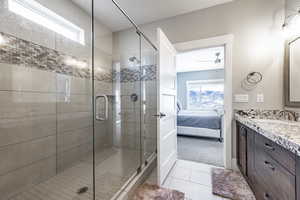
(227, 41)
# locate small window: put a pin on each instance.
(41, 15)
(207, 94)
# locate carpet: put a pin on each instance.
(230, 184)
(208, 151)
(154, 192)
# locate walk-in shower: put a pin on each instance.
(76, 114)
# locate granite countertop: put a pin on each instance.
(284, 133)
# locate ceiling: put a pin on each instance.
(202, 59)
(143, 11)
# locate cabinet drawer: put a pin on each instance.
(278, 183)
(283, 156)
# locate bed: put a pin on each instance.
(202, 123)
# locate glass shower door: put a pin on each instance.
(117, 102)
(149, 100)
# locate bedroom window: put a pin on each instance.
(41, 15)
(205, 94)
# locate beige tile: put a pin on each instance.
(72, 48)
(130, 128)
(168, 182)
(192, 190)
(127, 103)
(73, 156)
(198, 186)
(73, 103)
(202, 192)
(130, 115)
(128, 88)
(194, 165)
(73, 121)
(21, 78)
(24, 129)
(26, 104)
(103, 134)
(122, 163)
(180, 173)
(27, 176)
(73, 85)
(19, 155)
(130, 142)
(200, 177)
(71, 139)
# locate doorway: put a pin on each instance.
(210, 137)
(200, 103)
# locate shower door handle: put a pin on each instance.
(97, 113)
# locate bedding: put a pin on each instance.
(210, 119)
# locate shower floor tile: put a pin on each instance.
(112, 172)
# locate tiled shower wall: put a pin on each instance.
(45, 112)
(46, 116)
(137, 125)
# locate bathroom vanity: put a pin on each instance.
(268, 157)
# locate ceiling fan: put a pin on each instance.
(216, 61)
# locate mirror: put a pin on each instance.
(292, 71)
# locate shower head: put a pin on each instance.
(133, 58)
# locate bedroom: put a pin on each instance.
(200, 102)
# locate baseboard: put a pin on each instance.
(234, 165)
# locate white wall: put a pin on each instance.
(258, 42)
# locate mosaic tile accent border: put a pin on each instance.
(27, 54)
(133, 75)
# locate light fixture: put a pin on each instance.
(291, 25)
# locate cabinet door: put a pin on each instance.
(250, 156)
(242, 148)
(274, 181)
(298, 177)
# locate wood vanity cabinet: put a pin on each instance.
(242, 148)
(270, 170)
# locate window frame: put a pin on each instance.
(203, 82)
(39, 14)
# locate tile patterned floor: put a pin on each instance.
(192, 178)
(111, 174)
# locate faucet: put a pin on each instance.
(287, 115)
